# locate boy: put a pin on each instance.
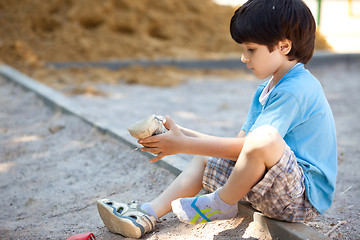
(284, 159)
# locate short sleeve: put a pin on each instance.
(244, 126)
(282, 111)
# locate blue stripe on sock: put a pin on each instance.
(198, 210)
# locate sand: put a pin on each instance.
(35, 32)
(53, 168)
(217, 105)
(51, 160)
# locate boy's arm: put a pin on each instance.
(181, 140)
(228, 148)
(192, 133)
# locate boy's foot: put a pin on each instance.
(203, 209)
(125, 219)
(147, 127)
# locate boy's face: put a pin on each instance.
(261, 61)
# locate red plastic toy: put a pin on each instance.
(82, 236)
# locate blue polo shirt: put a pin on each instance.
(298, 109)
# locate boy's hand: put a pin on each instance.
(168, 143)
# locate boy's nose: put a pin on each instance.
(244, 59)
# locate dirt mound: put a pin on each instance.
(68, 30)
(37, 31)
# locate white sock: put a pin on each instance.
(203, 209)
(146, 207)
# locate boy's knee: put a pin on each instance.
(264, 135)
(266, 143)
(202, 159)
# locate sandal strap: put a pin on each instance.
(146, 220)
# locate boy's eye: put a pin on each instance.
(251, 50)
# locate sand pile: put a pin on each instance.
(37, 31)
(69, 30)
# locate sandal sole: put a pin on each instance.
(118, 224)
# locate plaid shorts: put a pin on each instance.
(280, 194)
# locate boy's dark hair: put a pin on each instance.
(267, 22)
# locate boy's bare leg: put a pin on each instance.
(262, 149)
(187, 184)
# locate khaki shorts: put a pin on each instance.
(280, 194)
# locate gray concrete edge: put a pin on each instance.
(319, 58)
(174, 164)
(57, 101)
(279, 229)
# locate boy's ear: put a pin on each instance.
(285, 46)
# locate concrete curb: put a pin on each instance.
(319, 58)
(278, 229)
(55, 100)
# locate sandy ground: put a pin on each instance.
(53, 168)
(50, 161)
(216, 105)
